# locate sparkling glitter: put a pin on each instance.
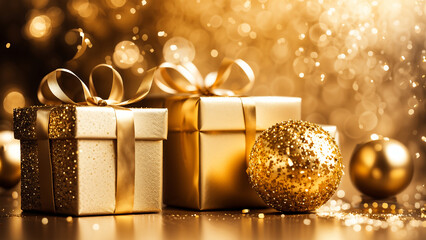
(15, 195)
(69, 219)
(7, 45)
(245, 211)
(44, 221)
(357, 228)
(95, 227)
(307, 221)
(214, 53)
(340, 194)
(261, 215)
(316, 166)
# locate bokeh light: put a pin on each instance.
(126, 54)
(39, 27)
(178, 50)
(13, 99)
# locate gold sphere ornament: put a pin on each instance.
(295, 166)
(381, 168)
(10, 162)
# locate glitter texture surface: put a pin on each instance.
(30, 184)
(64, 161)
(295, 166)
(62, 122)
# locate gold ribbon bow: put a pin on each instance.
(50, 92)
(190, 81)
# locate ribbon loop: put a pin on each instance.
(190, 80)
(50, 92)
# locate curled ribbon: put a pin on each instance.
(85, 42)
(50, 92)
(190, 79)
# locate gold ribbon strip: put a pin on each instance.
(190, 81)
(44, 161)
(50, 92)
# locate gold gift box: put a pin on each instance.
(204, 156)
(83, 158)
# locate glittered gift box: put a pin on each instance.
(205, 154)
(79, 172)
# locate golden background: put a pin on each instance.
(359, 65)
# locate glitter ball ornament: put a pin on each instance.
(295, 166)
(10, 171)
(381, 168)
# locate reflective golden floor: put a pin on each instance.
(182, 224)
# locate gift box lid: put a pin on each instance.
(195, 113)
(89, 122)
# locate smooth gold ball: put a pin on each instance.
(381, 168)
(295, 166)
(10, 162)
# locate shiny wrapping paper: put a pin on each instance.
(83, 158)
(204, 156)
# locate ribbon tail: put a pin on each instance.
(249, 111)
(44, 162)
(125, 166)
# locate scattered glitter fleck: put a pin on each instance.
(340, 194)
(245, 211)
(261, 215)
(69, 219)
(7, 45)
(162, 34)
(44, 221)
(15, 195)
(95, 227)
(374, 136)
(282, 215)
(143, 2)
(307, 221)
(385, 67)
(357, 227)
(214, 53)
